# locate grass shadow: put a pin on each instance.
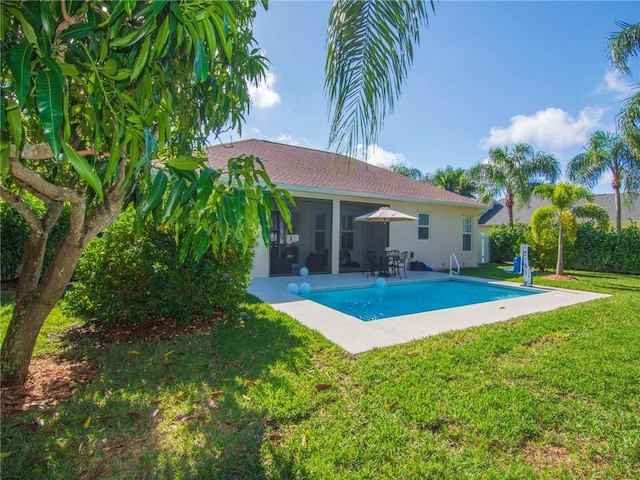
(151, 395)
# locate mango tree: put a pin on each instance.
(104, 104)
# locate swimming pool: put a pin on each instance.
(375, 303)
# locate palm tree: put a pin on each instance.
(622, 45)
(455, 180)
(607, 152)
(514, 173)
(407, 171)
(369, 53)
(563, 212)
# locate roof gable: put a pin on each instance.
(305, 168)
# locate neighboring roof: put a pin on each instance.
(316, 170)
(498, 214)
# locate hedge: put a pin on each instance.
(505, 240)
(603, 251)
(126, 278)
(594, 250)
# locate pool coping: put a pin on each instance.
(357, 336)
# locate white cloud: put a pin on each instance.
(620, 85)
(552, 128)
(290, 140)
(377, 155)
(604, 185)
(264, 95)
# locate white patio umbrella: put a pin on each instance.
(385, 215)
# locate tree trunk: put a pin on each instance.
(560, 263)
(31, 310)
(616, 196)
(509, 204)
(36, 295)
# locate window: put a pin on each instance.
(423, 226)
(347, 235)
(466, 234)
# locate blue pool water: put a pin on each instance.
(374, 303)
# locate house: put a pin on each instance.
(330, 191)
(498, 214)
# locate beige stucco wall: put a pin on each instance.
(445, 236)
(261, 260)
(445, 232)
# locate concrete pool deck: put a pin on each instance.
(357, 336)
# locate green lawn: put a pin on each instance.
(551, 395)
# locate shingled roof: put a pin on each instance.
(316, 170)
(498, 213)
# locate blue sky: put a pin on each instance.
(485, 74)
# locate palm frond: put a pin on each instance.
(369, 53)
(629, 121)
(588, 167)
(592, 211)
(624, 44)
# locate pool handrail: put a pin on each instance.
(453, 257)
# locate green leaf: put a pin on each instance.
(155, 194)
(136, 35)
(174, 200)
(240, 204)
(70, 71)
(161, 38)
(27, 29)
(226, 44)
(200, 63)
(228, 212)
(186, 243)
(129, 6)
(49, 91)
(150, 144)
(158, 5)
(77, 30)
(177, 11)
(84, 169)
(5, 147)
(141, 60)
(114, 156)
(15, 123)
(204, 188)
(201, 242)
(20, 64)
(185, 163)
(47, 22)
(189, 193)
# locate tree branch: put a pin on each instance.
(31, 179)
(108, 210)
(22, 208)
(67, 21)
(42, 151)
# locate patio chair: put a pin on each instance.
(517, 266)
(401, 264)
(392, 258)
(370, 262)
